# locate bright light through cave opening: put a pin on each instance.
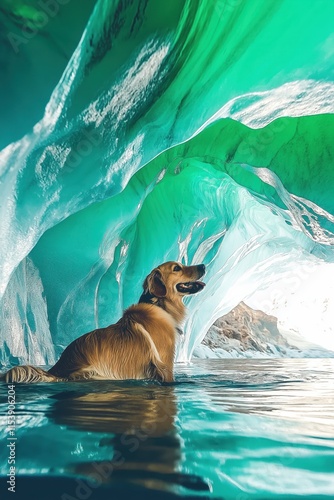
(303, 303)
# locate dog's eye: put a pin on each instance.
(177, 268)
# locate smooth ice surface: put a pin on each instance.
(193, 130)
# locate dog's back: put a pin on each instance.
(125, 350)
(140, 345)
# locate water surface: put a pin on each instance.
(232, 429)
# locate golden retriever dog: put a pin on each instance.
(141, 345)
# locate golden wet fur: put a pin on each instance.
(141, 345)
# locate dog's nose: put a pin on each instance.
(201, 268)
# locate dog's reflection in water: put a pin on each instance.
(145, 447)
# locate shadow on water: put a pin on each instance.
(227, 429)
(143, 443)
(138, 435)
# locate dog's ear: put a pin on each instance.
(155, 285)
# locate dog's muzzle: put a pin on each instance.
(191, 287)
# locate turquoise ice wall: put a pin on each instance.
(138, 131)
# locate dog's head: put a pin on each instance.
(173, 279)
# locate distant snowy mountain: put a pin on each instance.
(246, 332)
